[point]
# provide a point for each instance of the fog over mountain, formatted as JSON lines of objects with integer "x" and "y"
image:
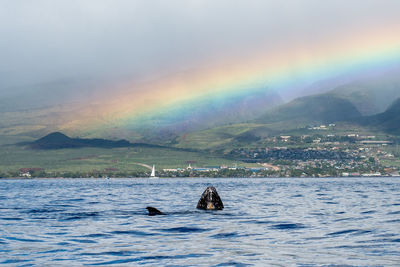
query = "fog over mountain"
{"x": 45, "y": 41}
{"x": 101, "y": 68}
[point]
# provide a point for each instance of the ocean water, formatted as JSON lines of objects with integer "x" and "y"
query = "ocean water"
{"x": 266, "y": 222}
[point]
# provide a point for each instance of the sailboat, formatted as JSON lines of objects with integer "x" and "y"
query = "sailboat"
{"x": 153, "y": 173}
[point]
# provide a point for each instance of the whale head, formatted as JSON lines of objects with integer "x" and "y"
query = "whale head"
{"x": 210, "y": 200}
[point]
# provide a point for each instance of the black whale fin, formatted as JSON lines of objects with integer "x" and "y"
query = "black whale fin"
{"x": 154, "y": 211}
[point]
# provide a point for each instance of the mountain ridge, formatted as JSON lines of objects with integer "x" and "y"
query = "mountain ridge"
{"x": 321, "y": 108}
{"x": 58, "y": 140}
{"x": 387, "y": 121}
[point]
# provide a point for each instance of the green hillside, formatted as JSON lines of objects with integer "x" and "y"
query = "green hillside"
{"x": 87, "y": 159}
{"x": 223, "y": 136}
{"x": 57, "y": 140}
{"x": 388, "y": 121}
{"x": 292, "y": 119}
{"x": 371, "y": 96}
{"x": 312, "y": 109}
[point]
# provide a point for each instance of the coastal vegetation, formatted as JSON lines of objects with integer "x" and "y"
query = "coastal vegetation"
{"x": 328, "y": 134}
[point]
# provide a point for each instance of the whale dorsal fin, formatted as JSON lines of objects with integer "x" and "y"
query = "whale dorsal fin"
{"x": 153, "y": 211}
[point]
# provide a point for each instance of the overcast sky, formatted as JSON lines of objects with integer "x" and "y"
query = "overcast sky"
{"x": 48, "y": 40}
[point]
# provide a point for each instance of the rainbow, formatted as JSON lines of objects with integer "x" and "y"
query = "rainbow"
{"x": 288, "y": 68}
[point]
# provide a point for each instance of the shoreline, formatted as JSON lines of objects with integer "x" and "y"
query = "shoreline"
{"x": 276, "y": 177}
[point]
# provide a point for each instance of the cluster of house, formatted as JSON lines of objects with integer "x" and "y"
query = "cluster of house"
{"x": 364, "y": 140}
{"x": 357, "y": 174}
{"x": 321, "y": 127}
{"x": 27, "y": 172}
{"x": 215, "y": 168}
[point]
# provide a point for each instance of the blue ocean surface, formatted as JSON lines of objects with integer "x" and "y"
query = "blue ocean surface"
{"x": 283, "y": 222}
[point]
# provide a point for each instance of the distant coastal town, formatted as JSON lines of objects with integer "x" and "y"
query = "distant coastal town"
{"x": 317, "y": 155}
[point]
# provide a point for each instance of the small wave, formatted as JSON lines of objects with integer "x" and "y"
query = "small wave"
{"x": 149, "y": 258}
{"x": 11, "y": 261}
{"x": 381, "y": 240}
{"x": 355, "y": 247}
{"x": 317, "y": 213}
{"x": 368, "y": 212}
{"x": 232, "y": 263}
{"x": 74, "y": 199}
{"x": 79, "y": 215}
{"x": 393, "y": 212}
{"x": 271, "y": 204}
{"x": 11, "y": 208}
{"x": 57, "y": 233}
{"x": 287, "y": 226}
{"x": 23, "y": 239}
{"x": 95, "y": 235}
{"x": 63, "y": 243}
{"x": 394, "y": 221}
{"x": 259, "y": 222}
{"x": 343, "y": 232}
{"x": 225, "y": 235}
{"x": 34, "y": 211}
{"x": 65, "y": 205}
{"x": 325, "y": 198}
{"x": 53, "y": 251}
{"x": 362, "y": 232}
{"x": 11, "y": 219}
{"x": 184, "y": 230}
{"x": 111, "y": 253}
{"x": 298, "y": 195}
{"x": 85, "y": 241}
{"x": 346, "y": 219}
{"x": 114, "y": 262}
{"x": 130, "y": 232}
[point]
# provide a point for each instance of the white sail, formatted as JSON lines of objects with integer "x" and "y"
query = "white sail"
{"x": 153, "y": 173}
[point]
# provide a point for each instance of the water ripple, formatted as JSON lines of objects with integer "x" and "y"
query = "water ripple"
{"x": 130, "y": 232}
{"x": 150, "y": 258}
{"x": 184, "y": 230}
{"x": 225, "y": 235}
{"x": 266, "y": 222}
{"x": 344, "y": 232}
{"x": 287, "y": 226}
{"x": 22, "y": 239}
{"x": 78, "y": 215}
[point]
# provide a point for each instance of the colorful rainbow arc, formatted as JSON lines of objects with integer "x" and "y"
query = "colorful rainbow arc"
{"x": 292, "y": 68}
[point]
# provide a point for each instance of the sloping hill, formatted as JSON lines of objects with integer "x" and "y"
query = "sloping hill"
{"x": 312, "y": 109}
{"x": 371, "y": 96}
{"x": 292, "y": 117}
{"x": 223, "y": 136}
{"x": 212, "y": 111}
{"x": 388, "y": 121}
{"x": 59, "y": 140}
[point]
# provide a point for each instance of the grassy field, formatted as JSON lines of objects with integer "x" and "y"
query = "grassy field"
{"x": 224, "y": 136}
{"x": 14, "y": 157}
{"x": 221, "y": 139}
{"x": 242, "y": 135}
